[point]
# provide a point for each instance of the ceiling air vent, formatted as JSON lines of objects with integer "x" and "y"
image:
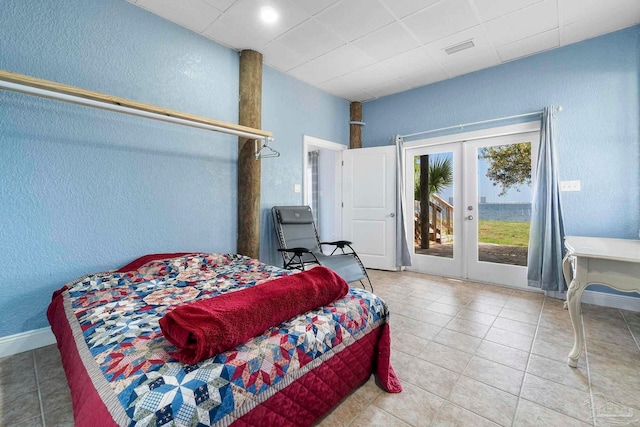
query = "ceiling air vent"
{"x": 458, "y": 47}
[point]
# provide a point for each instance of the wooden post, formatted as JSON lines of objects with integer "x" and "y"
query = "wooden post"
{"x": 355, "y": 137}
{"x": 250, "y": 114}
{"x": 424, "y": 202}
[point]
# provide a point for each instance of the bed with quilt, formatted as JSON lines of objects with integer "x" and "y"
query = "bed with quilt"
{"x": 123, "y": 364}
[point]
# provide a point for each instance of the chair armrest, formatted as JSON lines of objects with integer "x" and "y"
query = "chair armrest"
{"x": 339, "y": 243}
{"x": 296, "y": 251}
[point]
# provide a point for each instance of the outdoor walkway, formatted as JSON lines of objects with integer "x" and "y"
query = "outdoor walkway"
{"x": 488, "y": 252}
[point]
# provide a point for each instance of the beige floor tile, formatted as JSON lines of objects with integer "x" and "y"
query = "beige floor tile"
{"x": 555, "y": 351}
{"x": 408, "y": 343}
{"x": 559, "y": 372}
{"x": 345, "y": 412}
{"x": 15, "y": 408}
{"x": 484, "y": 400}
{"x": 418, "y": 328}
{"x": 567, "y": 400}
{"x": 467, "y": 327}
{"x": 494, "y": 374}
{"x": 425, "y": 375}
{"x": 510, "y": 339}
{"x": 520, "y": 316}
{"x": 437, "y": 319}
{"x": 20, "y": 362}
{"x": 446, "y": 357}
{"x": 459, "y": 300}
{"x": 374, "y": 416}
{"x": 458, "y": 340}
{"x": 524, "y": 304}
{"x": 482, "y": 307}
{"x": 531, "y": 414}
{"x": 515, "y": 326}
{"x": 617, "y": 381}
{"x": 59, "y": 417}
{"x": 503, "y": 354}
{"x": 609, "y": 412}
{"x": 55, "y": 393}
{"x": 476, "y": 316}
{"x": 18, "y": 381}
{"x": 415, "y": 406}
{"x": 454, "y": 416}
{"x": 449, "y": 310}
{"x": 369, "y": 391}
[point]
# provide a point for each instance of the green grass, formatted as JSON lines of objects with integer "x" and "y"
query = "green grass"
{"x": 504, "y": 233}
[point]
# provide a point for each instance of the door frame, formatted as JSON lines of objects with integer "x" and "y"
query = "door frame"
{"x": 520, "y": 128}
{"x": 310, "y": 143}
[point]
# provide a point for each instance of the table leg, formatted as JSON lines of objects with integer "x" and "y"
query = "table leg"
{"x": 574, "y": 295}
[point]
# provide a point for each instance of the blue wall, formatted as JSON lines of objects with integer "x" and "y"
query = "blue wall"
{"x": 597, "y": 133}
{"x": 86, "y": 190}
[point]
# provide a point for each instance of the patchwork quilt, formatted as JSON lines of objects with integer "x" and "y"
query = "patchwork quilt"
{"x": 121, "y": 373}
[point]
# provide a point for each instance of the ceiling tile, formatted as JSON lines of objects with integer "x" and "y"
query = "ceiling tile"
{"x": 402, "y": 8}
{"x": 476, "y": 34}
{"x": 532, "y": 20}
{"x": 220, "y": 4}
{"x": 538, "y": 43}
{"x": 280, "y": 57}
{"x": 424, "y": 76}
{"x": 601, "y": 24}
{"x": 577, "y": 10}
{"x": 463, "y": 65}
{"x": 353, "y": 19}
{"x": 388, "y": 87}
{"x": 311, "y": 39}
{"x": 441, "y": 20}
{"x": 386, "y": 42}
{"x": 345, "y": 88}
{"x": 491, "y": 9}
{"x": 193, "y": 14}
{"x": 315, "y": 6}
{"x": 237, "y": 35}
{"x": 248, "y": 12}
{"x": 341, "y": 61}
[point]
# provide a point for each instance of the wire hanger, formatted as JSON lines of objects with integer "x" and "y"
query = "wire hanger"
{"x": 265, "y": 151}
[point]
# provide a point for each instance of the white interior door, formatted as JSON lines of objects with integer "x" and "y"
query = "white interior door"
{"x": 369, "y": 204}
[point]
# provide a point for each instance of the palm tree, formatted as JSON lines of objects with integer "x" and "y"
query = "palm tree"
{"x": 439, "y": 175}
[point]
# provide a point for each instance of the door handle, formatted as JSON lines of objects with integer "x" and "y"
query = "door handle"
{"x": 392, "y": 215}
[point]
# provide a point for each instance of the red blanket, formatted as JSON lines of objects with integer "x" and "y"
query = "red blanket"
{"x": 207, "y": 327}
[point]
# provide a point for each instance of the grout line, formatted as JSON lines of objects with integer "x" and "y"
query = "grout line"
{"x": 526, "y": 368}
{"x": 629, "y": 328}
{"x": 35, "y": 368}
{"x": 586, "y": 360}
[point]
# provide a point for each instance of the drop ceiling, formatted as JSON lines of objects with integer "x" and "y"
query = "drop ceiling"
{"x": 365, "y": 49}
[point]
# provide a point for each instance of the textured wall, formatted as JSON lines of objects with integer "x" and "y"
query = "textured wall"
{"x": 597, "y": 133}
{"x": 86, "y": 190}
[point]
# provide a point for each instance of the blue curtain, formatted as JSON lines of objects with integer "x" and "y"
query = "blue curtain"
{"x": 403, "y": 256}
{"x": 546, "y": 239}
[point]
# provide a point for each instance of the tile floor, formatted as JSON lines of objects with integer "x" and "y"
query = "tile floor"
{"x": 467, "y": 354}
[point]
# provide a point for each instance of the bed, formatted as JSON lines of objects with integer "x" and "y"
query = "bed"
{"x": 120, "y": 371}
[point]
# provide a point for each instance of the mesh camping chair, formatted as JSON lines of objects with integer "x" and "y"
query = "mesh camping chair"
{"x": 300, "y": 245}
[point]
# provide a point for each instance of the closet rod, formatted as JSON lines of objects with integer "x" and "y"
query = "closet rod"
{"x": 52, "y": 90}
{"x": 535, "y": 113}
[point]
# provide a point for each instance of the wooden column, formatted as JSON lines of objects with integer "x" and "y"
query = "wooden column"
{"x": 424, "y": 202}
{"x": 250, "y": 114}
{"x": 355, "y": 138}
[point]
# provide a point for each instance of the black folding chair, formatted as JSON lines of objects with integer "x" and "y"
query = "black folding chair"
{"x": 300, "y": 245}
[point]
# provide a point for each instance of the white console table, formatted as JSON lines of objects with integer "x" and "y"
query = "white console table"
{"x": 594, "y": 260}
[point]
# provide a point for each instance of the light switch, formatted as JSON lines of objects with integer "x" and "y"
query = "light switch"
{"x": 297, "y": 188}
{"x": 569, "y": 185}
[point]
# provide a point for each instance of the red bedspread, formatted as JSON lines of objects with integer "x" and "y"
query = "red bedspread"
{"x": 120, "y": 371}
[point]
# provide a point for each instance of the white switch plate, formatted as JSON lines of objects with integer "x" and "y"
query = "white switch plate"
{"x": 297, "y": 188}
{"x": 569, "y": 185}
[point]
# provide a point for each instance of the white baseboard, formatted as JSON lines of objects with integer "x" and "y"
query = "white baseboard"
{"x": 25, "y": 341}
{"x": 624, "y": 302}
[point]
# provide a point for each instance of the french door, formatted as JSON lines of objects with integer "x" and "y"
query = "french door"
{"x": 471, "y": 205}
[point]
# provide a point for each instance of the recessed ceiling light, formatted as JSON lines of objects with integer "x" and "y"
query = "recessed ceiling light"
{"x": 268, "y": 14}
{"x": 458, "y": 47}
